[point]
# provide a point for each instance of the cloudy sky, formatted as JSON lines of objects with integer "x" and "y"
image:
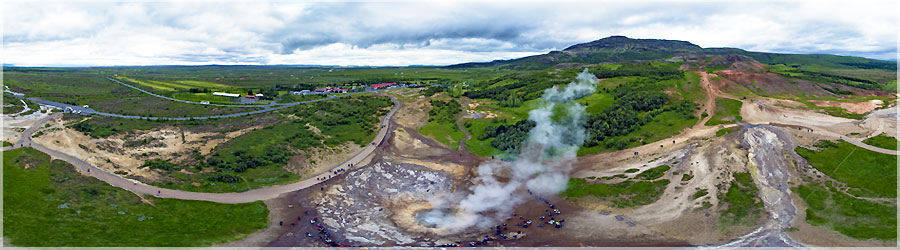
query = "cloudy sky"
{"x": 82, "y": 33}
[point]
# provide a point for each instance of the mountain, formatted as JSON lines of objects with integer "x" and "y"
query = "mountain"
{"x": 622, "y": 49}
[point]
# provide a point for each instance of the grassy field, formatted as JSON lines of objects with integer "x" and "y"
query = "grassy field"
{"x": 442, "y": 123}
{"x": 724, "y": 131}
{"x": 445, "y": 133}
{"x": 867, "y": 173}
{"x": 597, "y": 102}
{"x": 7, "y": 144}
{"x": 480, "y": 147}
{"x": 49, "y": 204}
{"x": 299, "y": 98}
{"x": 663, "y": 125}
{"x": 199, "y": 97}
{"x": 882, "y": 141}
{"x": 690, "y": 88}
{"x": 627, "y": 193}
{"x": 727, "y": 111}
{"x": 853, "y": 217}
{"x": 742, "y": 206}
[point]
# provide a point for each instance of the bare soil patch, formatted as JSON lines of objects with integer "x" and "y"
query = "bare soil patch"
{"x": 852, "y": 107}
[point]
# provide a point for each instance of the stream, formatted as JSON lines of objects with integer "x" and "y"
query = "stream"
{"x": 769, "y": 169}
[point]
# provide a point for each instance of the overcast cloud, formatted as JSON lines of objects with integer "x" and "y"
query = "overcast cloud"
{"x": 400, "y": 33}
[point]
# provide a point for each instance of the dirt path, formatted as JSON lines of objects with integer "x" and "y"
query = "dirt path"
{"x": 710, "y": 107}
{"x": 758, "y": 112}
{"x": 249, "y": 196}
{"x": 462, "y": 143}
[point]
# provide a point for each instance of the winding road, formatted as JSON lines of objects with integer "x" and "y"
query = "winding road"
{"x": 265, "y": 108}
{"x": 243, "y": 197}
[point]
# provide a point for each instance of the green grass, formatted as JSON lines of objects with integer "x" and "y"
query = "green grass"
{"x": 868, "y": 173}
{"x": 686, "y": 177}
{"x": 288, "y": 98}
{"x": 597, "y": 102}
{"x": 724, "y": 131}
{"x": 478, "y": 147}
{"x": 663, "y": 125}
{"x": 700, "y": 193}
{"x": 853, "y": 217}
{"x": 199, "y": 97}
{"x": 156, "y": 85}
{"x": 742, "y": 206}
{"x": 203, "y": 84}
{"x": 690, "y": 88}
{"x": 445, "y": 133}
{"x": 627, "y": 193}
{"x": 882, "y": 141}
{"x": 7, "y": 144}
{"x": 727, "y": 111}
{"x": 653, "y": 173}
{"x": 49, "y": 204}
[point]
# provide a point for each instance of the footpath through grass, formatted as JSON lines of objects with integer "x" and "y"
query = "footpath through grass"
{"x": 727, "y": 111}
{"x": 49, "y": 204}
{"x": 865, "y": 174}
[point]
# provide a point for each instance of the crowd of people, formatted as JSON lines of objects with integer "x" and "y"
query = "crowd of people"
{"x": 549, "y": 218}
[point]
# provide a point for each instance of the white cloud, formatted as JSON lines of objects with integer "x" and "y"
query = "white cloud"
{"x": 402, "y": 33}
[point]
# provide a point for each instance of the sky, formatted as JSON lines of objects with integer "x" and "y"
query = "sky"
{"x": 365, "y": 33}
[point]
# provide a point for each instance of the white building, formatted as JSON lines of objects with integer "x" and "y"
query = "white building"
{"x": 226, "y": 94}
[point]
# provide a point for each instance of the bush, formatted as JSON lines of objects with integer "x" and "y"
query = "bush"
{"x": 223, "y": 177}
{"x": 159, "y": 164}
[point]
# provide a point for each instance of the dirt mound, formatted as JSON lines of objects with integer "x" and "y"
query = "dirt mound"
{"x": 125, "y": 153}
{"x": 774, "y": 84}
{"x": 852, "y": 107}
{"x": 729, "y": 61}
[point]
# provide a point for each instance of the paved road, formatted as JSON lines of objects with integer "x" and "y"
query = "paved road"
{"x": 265, "y": 108}
{"x": 243, "y": 197}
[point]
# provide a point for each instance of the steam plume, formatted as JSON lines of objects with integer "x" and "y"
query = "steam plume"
{"x": 542, "y": 167}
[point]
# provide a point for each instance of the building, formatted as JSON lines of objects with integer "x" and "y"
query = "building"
{"x": 339, "y": 90}
{"x": 383, "y": 85}
{"x": 226, "y": 94}
{"x": 302, "y": 92}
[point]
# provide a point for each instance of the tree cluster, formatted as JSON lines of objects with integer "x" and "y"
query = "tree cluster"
{"x": 443, "y": 112}
{"x": 508, "y": 137}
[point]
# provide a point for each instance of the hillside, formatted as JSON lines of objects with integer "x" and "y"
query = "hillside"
{"x": 621, "y": 49}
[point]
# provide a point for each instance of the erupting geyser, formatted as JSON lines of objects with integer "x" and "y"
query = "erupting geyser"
{"x": 542, "y": 166}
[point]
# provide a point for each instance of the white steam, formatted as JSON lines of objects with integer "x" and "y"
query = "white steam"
{"x": 542, "y": 167}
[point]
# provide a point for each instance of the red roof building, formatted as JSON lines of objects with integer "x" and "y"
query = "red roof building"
{"x": 383, "y": 85}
